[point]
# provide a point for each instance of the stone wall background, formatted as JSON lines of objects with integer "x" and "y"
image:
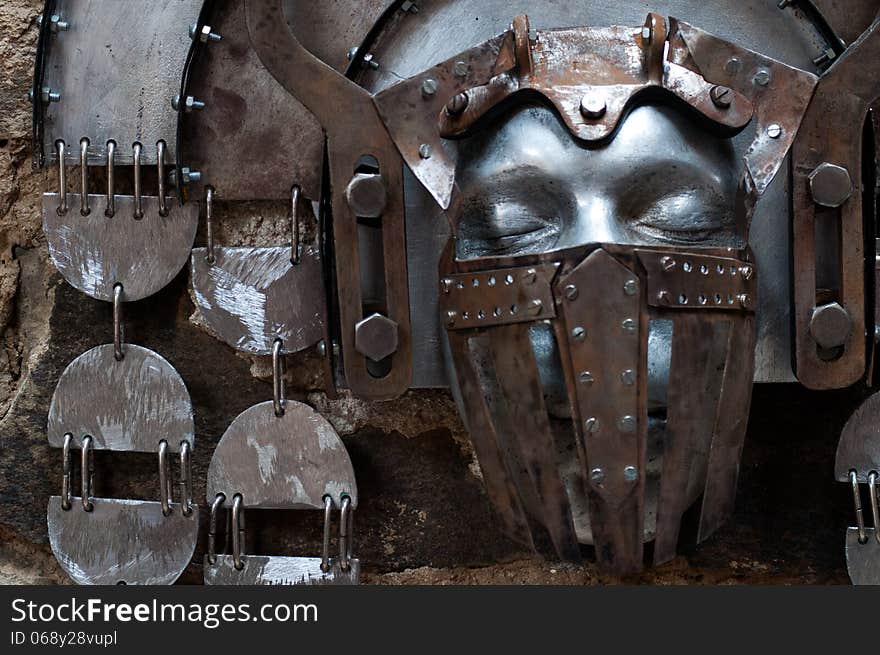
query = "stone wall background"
{"x": 424, "y": 517}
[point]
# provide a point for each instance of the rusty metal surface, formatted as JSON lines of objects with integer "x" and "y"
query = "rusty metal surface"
{"x": 351, "y": 134}
{"x": 848, "y": 18}
{"x": 832, "y": 133}
{"x": 94, "y": 252}
{"x": 607, "y": 336}
{"x": 250, "y": 297}
{"x": 283, "y": 462}
{"x": 694, "y": 281}
{"x": 128, "y": 405}
{"x": 275, "y": 570}
{"x": 122, "y": 541}
{"x": 863, "y": 560}
{"x": 117, "y": 69}
{"x": 859, "y": 445}
{"x": 253, "y": 140}
{"x": 501, "y": 297}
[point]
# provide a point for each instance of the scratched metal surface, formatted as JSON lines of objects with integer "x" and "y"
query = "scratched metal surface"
{"x": 94, "y": 252}
{"x": 122, "y": 541}
{"x": 859, "y": 445}
{"x": 270, "y": 570}
{"x": 251, "y": 296}
{"x": 129, "y": 405}
{"x": 117, "y": 69}
{"x": 281, "y": 462}
{"x": 863, "y": 560}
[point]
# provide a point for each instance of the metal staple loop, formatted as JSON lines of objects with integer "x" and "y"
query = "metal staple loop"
{"x": 875, "y": 503}
{"x": 857, "y": 501}
{"x": 118, "y": 336}
{"x": 86, "y": 473}
{"x": 345, "y": 525}
{"x": 237, "y": 531}
{"x": 209, "y": 222}
{"x": 61, "y": 149}
{"x": 111, "y": 179}
{"x": 84, "y": 208}
{"x": 296, "y": 252}
{"x": 219, "y": 500}
{"x": 160, "y": 169}
{"x": 138, "y": 191}
{"x": 66, "y": 482}
{"x": 325, "y": 552}
{"x": 278, "y": 377}
{"x": 186, "y": 495}
{"x": 165, "y": 479}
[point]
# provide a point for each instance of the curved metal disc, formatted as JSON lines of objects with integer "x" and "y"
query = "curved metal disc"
{"x": 94, "y": 252}
{"x": 128, "y": 405}
{"x": 282, "y": 462}
{"x": 252, "y": 296}
{"x": 122, "y": 541}
{"x": 862, "y": 560}
{"x": 859, "y": 446}
{"x": 265, "y": 570}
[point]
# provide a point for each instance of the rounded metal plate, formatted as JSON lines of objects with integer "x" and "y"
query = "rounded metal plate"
{"x": 122, "y": 541}
{"x": 859, "y": 445}
{"x": 128, "y": 405}
{"x": 862, "y": 560}
{"x": 252, "y": 296}
{"x": 282, "y": 462}
{"x": 94, "y": 252}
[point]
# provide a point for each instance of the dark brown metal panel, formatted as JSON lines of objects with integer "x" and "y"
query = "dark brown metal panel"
{"x": 607, "y": 334}
{"x": 699, "y": 350}
{"x": 499, "y": 484}
{"x": 730, "y": 428}
{"x": 832, "y": 134}
{"x": 519, "y": 379}
{"x": 249, "y": 120}
{"x": 848, "y": 18}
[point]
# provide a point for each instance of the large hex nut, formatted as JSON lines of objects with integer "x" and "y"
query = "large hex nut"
{"x": 375, "y": 337}
{"x": 831, "y": 185}
{"x": 831, "y": 325}
{"x": 366, "y": 195}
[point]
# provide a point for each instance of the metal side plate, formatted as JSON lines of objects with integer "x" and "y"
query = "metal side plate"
{"x": 863, "y": 560}
{"x": 265, "y": 570}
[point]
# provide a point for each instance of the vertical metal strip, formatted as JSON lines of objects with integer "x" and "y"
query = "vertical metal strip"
{"x": 729, "y": 434}
{"x": 699, "y": 352}
{"x": 518, "y": 377}
{"x": 496, "y": 477}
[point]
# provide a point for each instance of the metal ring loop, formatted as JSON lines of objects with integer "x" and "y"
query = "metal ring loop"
{"x": 86, "y": 473}
{"x": 84, "y": 208}
{"x": 237, "y": 531}
{"x": 186, "y": 495}
{"x": 67, "y": 468}
{"x": 278, "y": 377}
{"x": 160, "y": 170}
{"x": 118, "y": 334}
{"x": 296, "y": 251}
{"x": 857, "y": 501}
{"x": 138, "y": 191}
{"x": 209, "y": 222}
{"x": 325, "y": 552}
{"x": 61, "y": 150}
{"x": 875, "y": 503}
{"x": 219, "y": 499}
{"x": 165, "y": 496}
{"x": 345, "y": 535}
{"x": 111, "y": 180}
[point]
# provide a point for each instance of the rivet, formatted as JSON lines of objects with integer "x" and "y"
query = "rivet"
{"x": 627, "y": 424}
{"x": 460, "y": 69}
{"x": 429, "y": 88}
{"x": 762, "y": 77}
{"x": 592, "y": 425}
{"x": 530, "y": 276}
{"x": 733, "y": 65}
{"x": 579, "y": 334}
{"x": 663, "y": 298}
{"x": 593, "y": 107}
{"x": 668, "y": 263}
{"x": 745, "y": 300}
{"x": 746, "y": 272}
{"x": 597, "y": 475}
{"x": 629, "y": 326}
{"x": 451, "y": 318}
{"x": 447, "y": 285}
{"x": 774, "y": 131}
{"x": 586, "y": 377}
{"x": 630, "y": 474}
{"x": 628, "y": 377}
{"x": 535, "y": 307}
{"x": 630, "y": 287}
{"x": 571, "y": 292}
{"x": 425, "y": 151}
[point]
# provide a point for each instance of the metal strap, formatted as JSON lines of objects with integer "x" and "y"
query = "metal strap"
{"x": 296, "y": 250}
{"x": 118, "y": 336}
{"x": 237, "y": 531}
{"x": 61, "y": 149}
{"x": 111, "y": 180}
{"x": 278, "y": 377}
{"x": 209, "y": 223}
{"x": 138, "y": 189}
{"x": 66, "y": 482}
{"x": 86, "y": 473}
{"x": 857, "y": 502}
{"x": 160, "y": 170}
{"x": 84, "y": 208}
{"x": 325, "y": 552}
{"x": 345, "y": 521}
{"x": 165, "y": 496}
{"x": 219, "y": 499}
{"x": 186, "y": 493}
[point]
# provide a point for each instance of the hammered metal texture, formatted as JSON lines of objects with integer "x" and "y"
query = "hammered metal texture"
{"x": 282, "y": 462}
{"x": 129, "y": 405}
{"x": 122, "y": 541}
{"x": 117, "y": 69}
{"x": 250, "y": 297}
{"x": 273, "y": 570}
{"x": 94, "y": 252}
{"x": 862, "y": 560}
{"x": 859, "y": 446}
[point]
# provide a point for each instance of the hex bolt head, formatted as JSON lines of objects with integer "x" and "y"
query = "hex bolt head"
{"x": 458, "y": 104}
{"x": 627, "y": 424}
{"x": 375, "y": 337}
{"x": 630, "y": 473}
{"x": 429, "y": 88}
{"x": 597, "y": 476}
{"x": 831, "y": 325}
{"x": 722, "y": 97}
{"x": 185, "y": 177}
{"x": 366, "y": 195}
{"x": 204, "y": 35}
{"x": 593, "y": 107}
{"x": 831, "y": 185}
{"x": 189, "y": 104}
